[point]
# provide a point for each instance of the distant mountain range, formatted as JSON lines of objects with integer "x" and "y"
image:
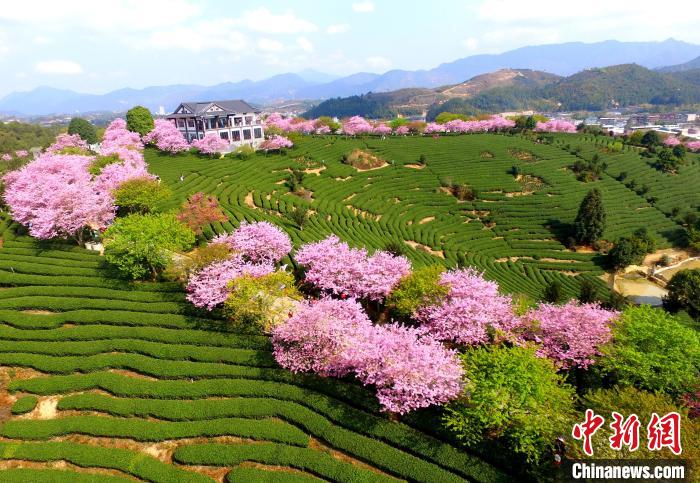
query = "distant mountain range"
{"x": 558, "y": 59}
{"x": 520, "y": 89}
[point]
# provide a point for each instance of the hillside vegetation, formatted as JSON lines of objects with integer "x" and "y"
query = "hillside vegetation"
{"x": 513, "y": 229}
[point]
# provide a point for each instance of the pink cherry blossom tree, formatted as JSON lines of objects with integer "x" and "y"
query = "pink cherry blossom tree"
{"x": 208, "y": 288}
{"x": 333, "y": 266}
{"x": 672, "y": 141}
{"x": 166, "y": 137}
{"x": 64, "y": 141}
{"x": 556, "y": 125}
{"x": 21, "y": 153}
{"x": 472, "y": 310}
{"x": 54, "y": 196}
{"x": 356, "y": 125}
{"x": 693, "y": 146}
{"x": 381, "y": 128}
{"x": 276, "y": 143}
{"x": 570, "y": 334}
{"x": 260, "y": 242}
{"x": 6, "y": 157}
{"x": 401, "y": 130}
{"x": 211, "y": 144}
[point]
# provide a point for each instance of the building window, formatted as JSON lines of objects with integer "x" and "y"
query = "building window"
{"x": 180, "y": 123}
{"x": 190, "y": 123}
{"x": 257, "y": 132}
{"x": 235, "y": 136}
{"x": 246, "y": 134}
{"x": 248, "y": 120}
{"x": 224, "y": 135}
{"x": 221, "y": 122}
{"x": 237, "y": 121}
{"x": 201, "y": 135}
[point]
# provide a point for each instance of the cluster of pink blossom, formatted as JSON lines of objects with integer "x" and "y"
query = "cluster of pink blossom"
{"x": 333, "y": 266}
{"x": 64, "y": 141}
{"x": 335, "y": 337}
{"x": 402, "y": 130}
{"x": 126, "y": 145}
{"x": 6, "y": 157}
{"x": 260, "y": 242}
{"x": 296, "y": 124}
{"x": 209, "y": 286}
{"x": 166, "y": 137}
{"x": 54, "y": 196}
{"x": 472, "y": 309}
{"x": 276, "y": 143}
{"x": 555, "y": 125}
{"x": 693, "y": 145}
{"x": 381, "y": 128}
{"x": 570, "y": 334}
{"x": 672, "y": 141}
{"x": 357, "y": 125}
{"x": 22, "y": 153}
{"x": 211, "y": 144}
{"x": 494, "y": 123}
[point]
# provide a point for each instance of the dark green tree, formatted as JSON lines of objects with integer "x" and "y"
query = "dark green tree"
{"x": 140, "y": 120}
{"x": 684, "y": 292}
{"x": 525, "y": 123}
{"x": 588, "y": 292}
{"x": 631, "y": 250}
{"x": 651, "y": 138}
{"x": 590, "y": 220}
{"x": 84, "y": 129}
{"x": 553, "y": 292}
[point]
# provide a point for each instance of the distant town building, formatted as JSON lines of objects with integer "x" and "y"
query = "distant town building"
{"x": 235, "y": 121}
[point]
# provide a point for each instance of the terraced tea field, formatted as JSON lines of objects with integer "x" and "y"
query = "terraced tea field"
{"x": 104, "y": 381}
{"x": 512, "y": 230}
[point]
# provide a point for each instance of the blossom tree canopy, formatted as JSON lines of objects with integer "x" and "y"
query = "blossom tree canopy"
{"x": 381, "y": 128}
{"x": 64, "y": 141}
{"x": 6, "y": 157}
{"x": 118, "y": 136}
{"x": 54, "y": 196}
{"x": 166, "y": 137}
{"x": 317, "y": 338}
{"x": 672, "y": 141}
{"x": 335, "y": 337}
{"x": 555, "y": 125}
{"x": 22, "y": 153}
{"x": 693, "y": 145}
{"x": 127, "y": 146}
{"x": 275, "y": 143}
{"x": 472, "y": 307}
{"x": 409, "y": 368}
{"x": 211, "y": 144}
{"x": 570, "y": 334}
{"x": 356, "y": 125}
{"x": 260, "y": 242}
{"x": 208, "y": 287}
{"x": 333, "y": 266}
{"x": 402, "y": 130}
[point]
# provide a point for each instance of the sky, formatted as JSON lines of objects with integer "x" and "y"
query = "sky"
{"x": 97, "y": 46}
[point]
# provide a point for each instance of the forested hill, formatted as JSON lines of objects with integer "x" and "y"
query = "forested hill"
{"x": 18, "y": 135}
{"x": 590, "y": 89}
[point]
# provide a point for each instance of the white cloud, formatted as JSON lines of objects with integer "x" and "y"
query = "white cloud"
{"x": 471, "y": 43}
{"x": 305, "y": 44}
{"x": 363, "y": 7}
{"x": 377, "y": 62}
{"x": 269, "y": 45}
{"x": 42, "y": 40}
{"x": 337, "y": 29}
{"x": 211, "y": 35}
{"x": 262, "y": 20}
{"x": 67, "y": 67}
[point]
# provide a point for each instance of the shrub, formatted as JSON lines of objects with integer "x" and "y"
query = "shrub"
{"x": 141, "y": 245}
{"x": 200, "y": 210}
{"x": 553, "y": 292}
{"x": 684, "y": 292}
{"x": 652, "y": 350}
{"x": 258, "y": 304}
{"x": 299, "y": 215}
{"x": 534, "y": 406}
{"x": 418, "y": 289}
{"x": 84, "y": 129}
{"x": 140, "y": 195}
{"x": 244, "y": 151}
{"x": 590, "y": 220}
{"x": 24, "y": 405}
{"x": 588, "y": 292}
{"x": 139, "y": 120}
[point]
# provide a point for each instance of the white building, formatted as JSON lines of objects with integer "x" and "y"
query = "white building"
{"x": 235, "y": 121}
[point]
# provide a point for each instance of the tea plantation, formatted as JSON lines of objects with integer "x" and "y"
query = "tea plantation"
{"x": 105, "y": 380}
{"x": 102, "y": 380}
{"x": 513, "y": 230}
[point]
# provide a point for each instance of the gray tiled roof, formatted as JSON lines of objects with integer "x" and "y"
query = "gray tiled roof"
{"x": 236, "y": 106}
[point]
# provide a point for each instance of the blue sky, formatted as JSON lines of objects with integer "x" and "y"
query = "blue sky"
{"x": 97, "y": 46}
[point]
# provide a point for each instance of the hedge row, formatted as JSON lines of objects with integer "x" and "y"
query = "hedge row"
{"x": 28, "y": 475}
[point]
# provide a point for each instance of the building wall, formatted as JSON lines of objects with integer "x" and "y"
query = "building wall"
{"x": 236, "y": 134}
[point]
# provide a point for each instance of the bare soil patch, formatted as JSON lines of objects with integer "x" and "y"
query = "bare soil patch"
{"x": 414, "y": 166}
{"x": 425, "y": 248}
{"x": 365, "y": 161}
{"x": 249, "y": 201}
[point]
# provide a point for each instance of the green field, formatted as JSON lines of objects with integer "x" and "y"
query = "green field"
{"x": 120, "y": 381}
{"x": 512, "y": 231}
{"x": 104, "y": 380}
